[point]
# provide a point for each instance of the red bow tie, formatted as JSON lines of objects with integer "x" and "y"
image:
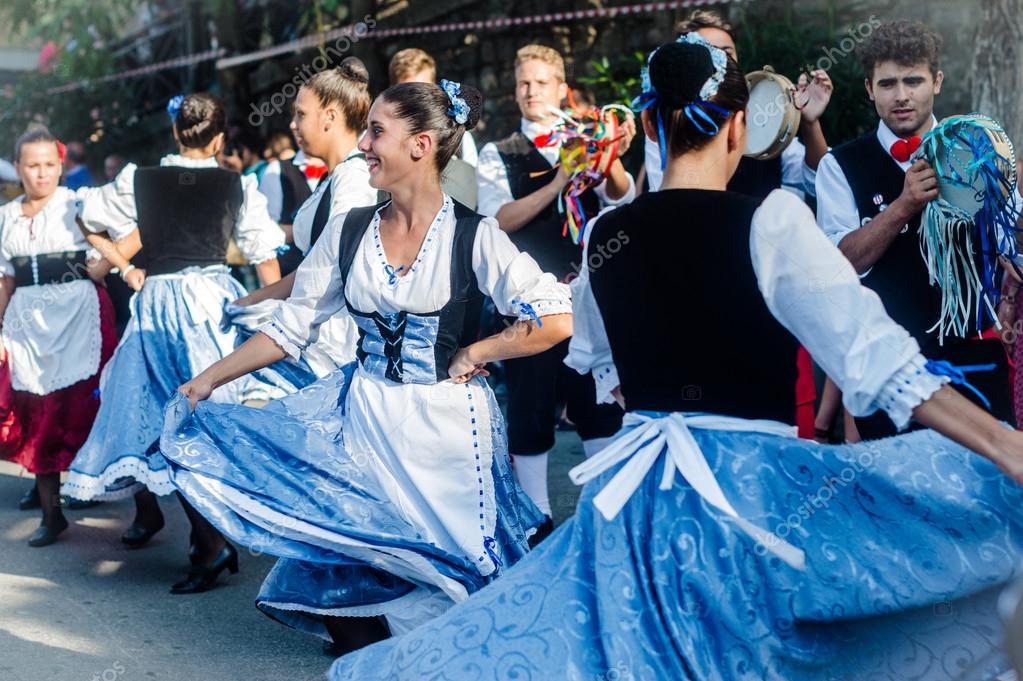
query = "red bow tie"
{"x": 901, "y": 150}
{"x": 315, "y": 172}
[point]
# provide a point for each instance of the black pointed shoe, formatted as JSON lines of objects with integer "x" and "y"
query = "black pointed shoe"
{"x": 29, "y": 500}
{"x": 201, "y": 577}
{"x": 46, "y": 535}
{"x": 543, "y": 531}
{"x": 138, "y": 534}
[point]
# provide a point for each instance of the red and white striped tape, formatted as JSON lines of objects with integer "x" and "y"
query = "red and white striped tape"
{"x": 311, "y": 41}
{"x": 177, "y": 62}
{"x": 479, "y": 25}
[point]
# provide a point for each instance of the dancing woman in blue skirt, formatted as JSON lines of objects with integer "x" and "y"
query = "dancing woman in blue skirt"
{"x": 386, "y": 485}
{"x": 181, "y": 215}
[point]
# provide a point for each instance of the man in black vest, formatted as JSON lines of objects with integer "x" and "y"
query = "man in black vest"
{"x": 519, "y": 184}
{"x": 870, "y": 198}
{"x": 794, "y": 168}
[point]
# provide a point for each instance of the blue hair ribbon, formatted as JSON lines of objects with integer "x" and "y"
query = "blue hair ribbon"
{"x": 174, "y": 106}
{"x": 459, "y": 109}
{"x": 705, "y": 124}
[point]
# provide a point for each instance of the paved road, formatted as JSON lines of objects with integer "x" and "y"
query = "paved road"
{"x": 90, "y": 609}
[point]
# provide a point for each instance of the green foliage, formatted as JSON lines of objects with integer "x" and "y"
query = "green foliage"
{"x": 83, "y": 31}
{"x": 796, "y": 42}
{"x": 617, "y": 82}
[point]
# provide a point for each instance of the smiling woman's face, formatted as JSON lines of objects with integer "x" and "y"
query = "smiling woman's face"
{"x": 392, "y": 153}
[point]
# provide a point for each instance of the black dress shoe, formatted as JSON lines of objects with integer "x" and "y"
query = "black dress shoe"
{"x": 201, "y": 577}
{"x": 46, "y": 534}
{"x": 30, "y": 500}
{"x": 542, "y": 532}
{"x": 139, "y": 534}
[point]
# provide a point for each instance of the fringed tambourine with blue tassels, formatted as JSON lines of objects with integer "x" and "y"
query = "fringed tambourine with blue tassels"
{"x": 972, "y": 222}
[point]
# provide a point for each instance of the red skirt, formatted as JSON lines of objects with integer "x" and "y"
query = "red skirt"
{"x": 44, "y": 432}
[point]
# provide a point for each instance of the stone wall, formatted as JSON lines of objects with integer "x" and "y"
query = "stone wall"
{"x": 485, "y": 59}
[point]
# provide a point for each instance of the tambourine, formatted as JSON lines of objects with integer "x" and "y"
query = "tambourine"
{"x": 972, "y": 223}
{"x": 772, "y": 117}
{"x": 959, "y": 146}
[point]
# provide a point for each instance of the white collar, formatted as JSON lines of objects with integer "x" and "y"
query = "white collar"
{"x": 532, "y": 129}
{"x": 887, "y": 138}
{"x": 62, "y": 195}
{"x": 184, "y": 162}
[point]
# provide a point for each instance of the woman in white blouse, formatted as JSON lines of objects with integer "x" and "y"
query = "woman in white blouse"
{"x": 182, "y": 215}
{"x": 58, "y": 326}
{"x": 386, "y": 485}
{"x": 329, "y": 115}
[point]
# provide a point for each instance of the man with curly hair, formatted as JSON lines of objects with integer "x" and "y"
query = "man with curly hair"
{"x": 870, "y": 196}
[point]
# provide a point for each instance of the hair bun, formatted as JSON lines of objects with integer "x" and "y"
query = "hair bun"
{"x": 200, "y": 118}
{"x": 678, "y": 72}
{"x": 353, "y": 68}
{"x": 474, "y": 99}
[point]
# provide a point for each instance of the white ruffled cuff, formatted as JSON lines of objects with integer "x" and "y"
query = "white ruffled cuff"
{"x": 543, "y": 308}
{"x": 547, "y": 298}
{"x": 605, "y": 377}
{"x": 276, "y": 333}
{"x": 908, "y": 388}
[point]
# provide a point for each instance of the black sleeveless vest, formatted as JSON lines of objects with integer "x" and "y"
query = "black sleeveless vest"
{"x": 688, "y": 327}
{"x": 294, "y": 190}
{"x": 757, "y": 178}
{"x": 185, "y": 216}
{"x": 459, "y": 319}
{"x": 900, "y": 276}
{"x": 542, "y": 236}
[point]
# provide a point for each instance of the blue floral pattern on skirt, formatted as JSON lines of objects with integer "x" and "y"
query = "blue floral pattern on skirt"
{"x": 280, "y": 481}
{"x": 907, "y": 543}
{"x": 168, "y": 341}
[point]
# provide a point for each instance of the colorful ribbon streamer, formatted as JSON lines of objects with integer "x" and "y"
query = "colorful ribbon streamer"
{"x": 589, "y": 147}
{"x": 962, "y": 250}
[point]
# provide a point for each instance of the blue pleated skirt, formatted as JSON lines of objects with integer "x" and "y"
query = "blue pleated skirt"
{"x": 177, "y": 330}
{"x": 354, "y": 536}
{"x": 907, "y": 544}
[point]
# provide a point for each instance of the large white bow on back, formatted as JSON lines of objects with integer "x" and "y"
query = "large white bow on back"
{"x": 642, "y": 446}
